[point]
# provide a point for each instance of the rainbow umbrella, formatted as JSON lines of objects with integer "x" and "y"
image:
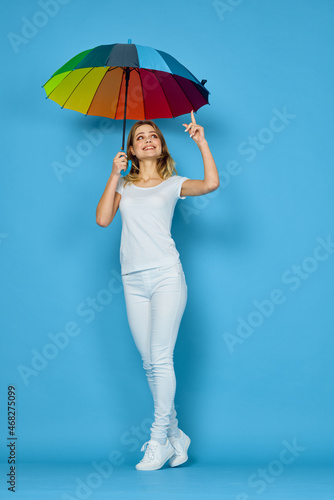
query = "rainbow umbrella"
{"x": 126, "y": 81}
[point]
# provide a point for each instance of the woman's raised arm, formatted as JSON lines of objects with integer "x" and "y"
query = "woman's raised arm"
{"x": 197, "y": 187}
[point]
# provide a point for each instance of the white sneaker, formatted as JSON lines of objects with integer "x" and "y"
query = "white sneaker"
{"x": 180, "y": 445}
{"x": 156, "y": 455}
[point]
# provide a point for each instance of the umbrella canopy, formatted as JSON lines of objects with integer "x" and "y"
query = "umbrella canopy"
{"x": 126, "y": 81}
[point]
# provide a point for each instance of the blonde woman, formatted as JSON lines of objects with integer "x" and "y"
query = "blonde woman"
{"x": 155, "y": 288}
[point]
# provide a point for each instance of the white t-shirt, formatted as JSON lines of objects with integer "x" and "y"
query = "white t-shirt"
{"x": 147, "y": 213}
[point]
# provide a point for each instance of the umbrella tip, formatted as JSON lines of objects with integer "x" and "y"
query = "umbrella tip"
{"x": 203, "y": 82}
{"x": 129, "y": 40}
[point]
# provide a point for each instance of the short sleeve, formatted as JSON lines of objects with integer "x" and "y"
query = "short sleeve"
{"x": 180, "y": 181}
{"x": 120, "y": 185}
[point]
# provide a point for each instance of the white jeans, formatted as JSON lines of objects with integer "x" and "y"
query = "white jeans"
{"x": 155, "y": 301}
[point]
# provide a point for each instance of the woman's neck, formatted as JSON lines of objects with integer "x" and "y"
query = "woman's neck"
{"x": 148, "y": 170}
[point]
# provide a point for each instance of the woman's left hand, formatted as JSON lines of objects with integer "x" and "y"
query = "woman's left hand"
{"x": 195, "y": 130}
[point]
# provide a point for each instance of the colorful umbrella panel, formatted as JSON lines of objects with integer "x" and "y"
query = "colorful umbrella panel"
{"x": 94, "y": 83}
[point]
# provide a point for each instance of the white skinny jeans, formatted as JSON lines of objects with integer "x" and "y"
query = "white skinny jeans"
{"x": 155, "y": 301}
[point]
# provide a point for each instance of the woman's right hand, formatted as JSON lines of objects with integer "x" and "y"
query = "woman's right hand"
{"x": 120, "y": 162}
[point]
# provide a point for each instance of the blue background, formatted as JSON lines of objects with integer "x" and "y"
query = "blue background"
{"x": 239, "y": 400}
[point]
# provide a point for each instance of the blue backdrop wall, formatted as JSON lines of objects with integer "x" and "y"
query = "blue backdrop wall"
{"x": 253, "y": 358}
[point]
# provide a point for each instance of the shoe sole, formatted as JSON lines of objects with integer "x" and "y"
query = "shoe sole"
{"x": 159, "y": 465}
{"x": 183, "y": 459}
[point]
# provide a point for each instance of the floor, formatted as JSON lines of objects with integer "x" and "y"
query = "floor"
{"x": 192, "y": 480}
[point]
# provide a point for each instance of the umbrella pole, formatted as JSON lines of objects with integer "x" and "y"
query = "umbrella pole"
{"x": 127, "y": 77}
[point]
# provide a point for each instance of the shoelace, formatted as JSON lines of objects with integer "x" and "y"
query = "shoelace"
{"x": 150, "y": 449}
{"x": 176, "y": 445}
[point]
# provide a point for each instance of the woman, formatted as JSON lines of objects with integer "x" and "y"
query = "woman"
{"x": 154, "y": 283}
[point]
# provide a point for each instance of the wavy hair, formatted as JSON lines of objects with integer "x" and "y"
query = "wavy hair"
{"x": 165, "y": 163}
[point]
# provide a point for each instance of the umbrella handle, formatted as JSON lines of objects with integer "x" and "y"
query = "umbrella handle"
{"x": 128, "y": 167}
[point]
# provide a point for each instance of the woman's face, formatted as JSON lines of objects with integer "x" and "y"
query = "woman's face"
{"x": 146, "y": 143}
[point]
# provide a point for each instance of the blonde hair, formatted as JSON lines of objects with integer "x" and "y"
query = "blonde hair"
{"x": 165, "y": 163}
